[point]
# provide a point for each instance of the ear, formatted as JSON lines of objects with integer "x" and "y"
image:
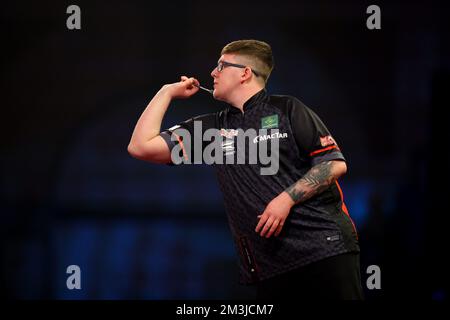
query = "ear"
{"x": 246, "y": 74}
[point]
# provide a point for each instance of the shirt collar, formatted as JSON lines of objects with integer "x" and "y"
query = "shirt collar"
{"x": 254, "y": 100}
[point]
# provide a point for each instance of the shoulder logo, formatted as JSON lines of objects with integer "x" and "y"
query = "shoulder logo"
{"x": 327, "y": 141}
{"x": 269, "y": 122}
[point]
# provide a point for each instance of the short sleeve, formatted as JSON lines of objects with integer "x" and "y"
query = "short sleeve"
{"x": 312, "y": 136}
{"x": 188, "y": 135}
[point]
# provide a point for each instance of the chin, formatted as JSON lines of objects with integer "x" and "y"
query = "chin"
{"x": 216, "y": 95}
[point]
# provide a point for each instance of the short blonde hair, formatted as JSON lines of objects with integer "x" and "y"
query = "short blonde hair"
{"x": 258, "y": 52}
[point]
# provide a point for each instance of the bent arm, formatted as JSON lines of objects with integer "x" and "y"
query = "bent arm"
{"x": 316, "y": 180}
{"x": 146, "y": 143}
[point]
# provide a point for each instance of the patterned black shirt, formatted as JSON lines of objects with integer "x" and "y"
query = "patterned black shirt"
{"x": 315, "y": 229}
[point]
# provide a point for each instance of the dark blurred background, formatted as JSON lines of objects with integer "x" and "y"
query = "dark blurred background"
{"x": 71, "y": 194}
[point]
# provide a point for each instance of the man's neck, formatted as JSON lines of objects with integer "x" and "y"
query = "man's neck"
{"x": 242, "y": 97}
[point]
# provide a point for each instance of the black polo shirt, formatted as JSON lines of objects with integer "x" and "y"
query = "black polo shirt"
{"x": 315, "y": 229}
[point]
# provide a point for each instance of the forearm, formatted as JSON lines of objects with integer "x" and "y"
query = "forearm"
{"x": 316, "y": 180}
{"x": 149, "y": 123}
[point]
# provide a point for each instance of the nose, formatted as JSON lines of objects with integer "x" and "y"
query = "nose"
{"x": 214, "y": 73}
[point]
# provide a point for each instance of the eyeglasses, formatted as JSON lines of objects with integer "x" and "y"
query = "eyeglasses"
{"x": 223, "y": 64}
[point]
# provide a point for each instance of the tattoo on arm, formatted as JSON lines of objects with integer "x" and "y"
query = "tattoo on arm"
{"x": 315, "y": 181}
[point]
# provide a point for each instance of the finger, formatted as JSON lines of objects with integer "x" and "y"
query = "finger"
{"x": 193, "y": 82}
{"x": 267, "y": 226}
{"x": 196, "y": 83}
{"x": 280, "y": 226}
{"x": 190, "y": 84}
{"x": 273, "y": 228}
{"x": 261, "y": 222}
{"x": 184, "y": 78}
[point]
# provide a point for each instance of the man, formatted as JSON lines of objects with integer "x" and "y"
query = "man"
{"x": 291, "y": 227}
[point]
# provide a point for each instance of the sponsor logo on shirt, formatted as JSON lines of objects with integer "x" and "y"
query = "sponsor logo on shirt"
{"x": 269, "y": 122}
{"x": 228, "y": 133}
{"x": 264, "y": 137}
{"x": 228, "y": 147}
{"x": 327, "y": 141}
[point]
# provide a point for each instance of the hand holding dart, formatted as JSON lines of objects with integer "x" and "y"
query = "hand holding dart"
{"x": 203, "y": 88}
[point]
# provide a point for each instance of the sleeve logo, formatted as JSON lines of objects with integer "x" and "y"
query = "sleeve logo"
{"x": 327, "y": 141}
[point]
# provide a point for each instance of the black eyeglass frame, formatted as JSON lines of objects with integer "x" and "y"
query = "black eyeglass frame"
{"x": 223, "y": 64}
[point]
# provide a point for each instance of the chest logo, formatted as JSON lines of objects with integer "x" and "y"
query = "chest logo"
{"x": 269, "y": 122}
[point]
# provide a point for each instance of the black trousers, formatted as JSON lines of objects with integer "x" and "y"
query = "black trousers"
{"x": 334, "y": 278}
